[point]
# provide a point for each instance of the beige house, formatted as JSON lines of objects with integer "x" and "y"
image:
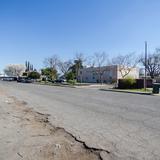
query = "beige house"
{"x": 106, "y": 74}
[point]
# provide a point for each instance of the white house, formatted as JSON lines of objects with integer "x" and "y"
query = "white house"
{"x": 105, "y": 74}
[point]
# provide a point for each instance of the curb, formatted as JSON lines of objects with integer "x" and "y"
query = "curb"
{"x": 121, "y": 91}
{"x": 52, "y": 85}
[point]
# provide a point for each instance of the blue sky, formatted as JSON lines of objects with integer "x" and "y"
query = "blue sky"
{"x": 35, "y": 29}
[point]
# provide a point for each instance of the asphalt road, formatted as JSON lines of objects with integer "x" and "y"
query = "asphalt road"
{"x": 126, "y": 125}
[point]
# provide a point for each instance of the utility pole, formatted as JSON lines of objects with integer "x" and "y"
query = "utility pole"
{"x": 145, "y": 78}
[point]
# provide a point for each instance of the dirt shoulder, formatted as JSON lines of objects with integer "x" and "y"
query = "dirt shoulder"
{"x": 27, "y": 134}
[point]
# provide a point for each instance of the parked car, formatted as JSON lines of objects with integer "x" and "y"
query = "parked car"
{"x": 59, "y": 81}
{"x": 24, "y": 80}
{"x": 8, "y": 79}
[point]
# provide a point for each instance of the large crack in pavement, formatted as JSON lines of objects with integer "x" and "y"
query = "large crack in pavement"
{"x": 40, "y": 139}
{"x": 94, "y": 150}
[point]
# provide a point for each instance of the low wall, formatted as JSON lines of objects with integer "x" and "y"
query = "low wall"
{"x": 139, "y": 83}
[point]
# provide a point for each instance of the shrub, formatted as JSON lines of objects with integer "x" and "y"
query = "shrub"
{"x": 127, "y": 83}
{"x": 73, "y": 82}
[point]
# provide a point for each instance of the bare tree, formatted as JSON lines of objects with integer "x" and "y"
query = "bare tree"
{"x": 65, "y": 66}
{"x": 90, "y": 62}
{"x": 100, "y": 60}
{"x": 52, "y": 62}
{"x": 80, "y": 56}
{"x": 14, "y": 69}
{"x": 125, "y": 63}
{"x": 152, "y": 64}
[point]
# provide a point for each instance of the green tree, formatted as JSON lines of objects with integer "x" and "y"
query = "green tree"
{"x": 78, "y": 64}
{"x": 34, "y": 75}
{"x": 29, "y": 66}
{"x": 50, "y": 73}
{"x": 70, "y": 76}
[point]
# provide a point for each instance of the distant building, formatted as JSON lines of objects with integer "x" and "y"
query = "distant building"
{"x": 105, "y": 74}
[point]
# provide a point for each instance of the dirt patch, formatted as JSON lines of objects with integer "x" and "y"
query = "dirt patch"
{"x": 29, "y": 135}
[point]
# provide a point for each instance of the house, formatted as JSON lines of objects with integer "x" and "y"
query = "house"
{"x": 105, "y": 74}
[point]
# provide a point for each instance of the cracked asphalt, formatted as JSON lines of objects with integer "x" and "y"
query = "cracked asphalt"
{"x": 28, "y": 135}
{"x": 126, "y": 125}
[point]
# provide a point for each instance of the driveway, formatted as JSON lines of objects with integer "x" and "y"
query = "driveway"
{"x": 126, "y": 126}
